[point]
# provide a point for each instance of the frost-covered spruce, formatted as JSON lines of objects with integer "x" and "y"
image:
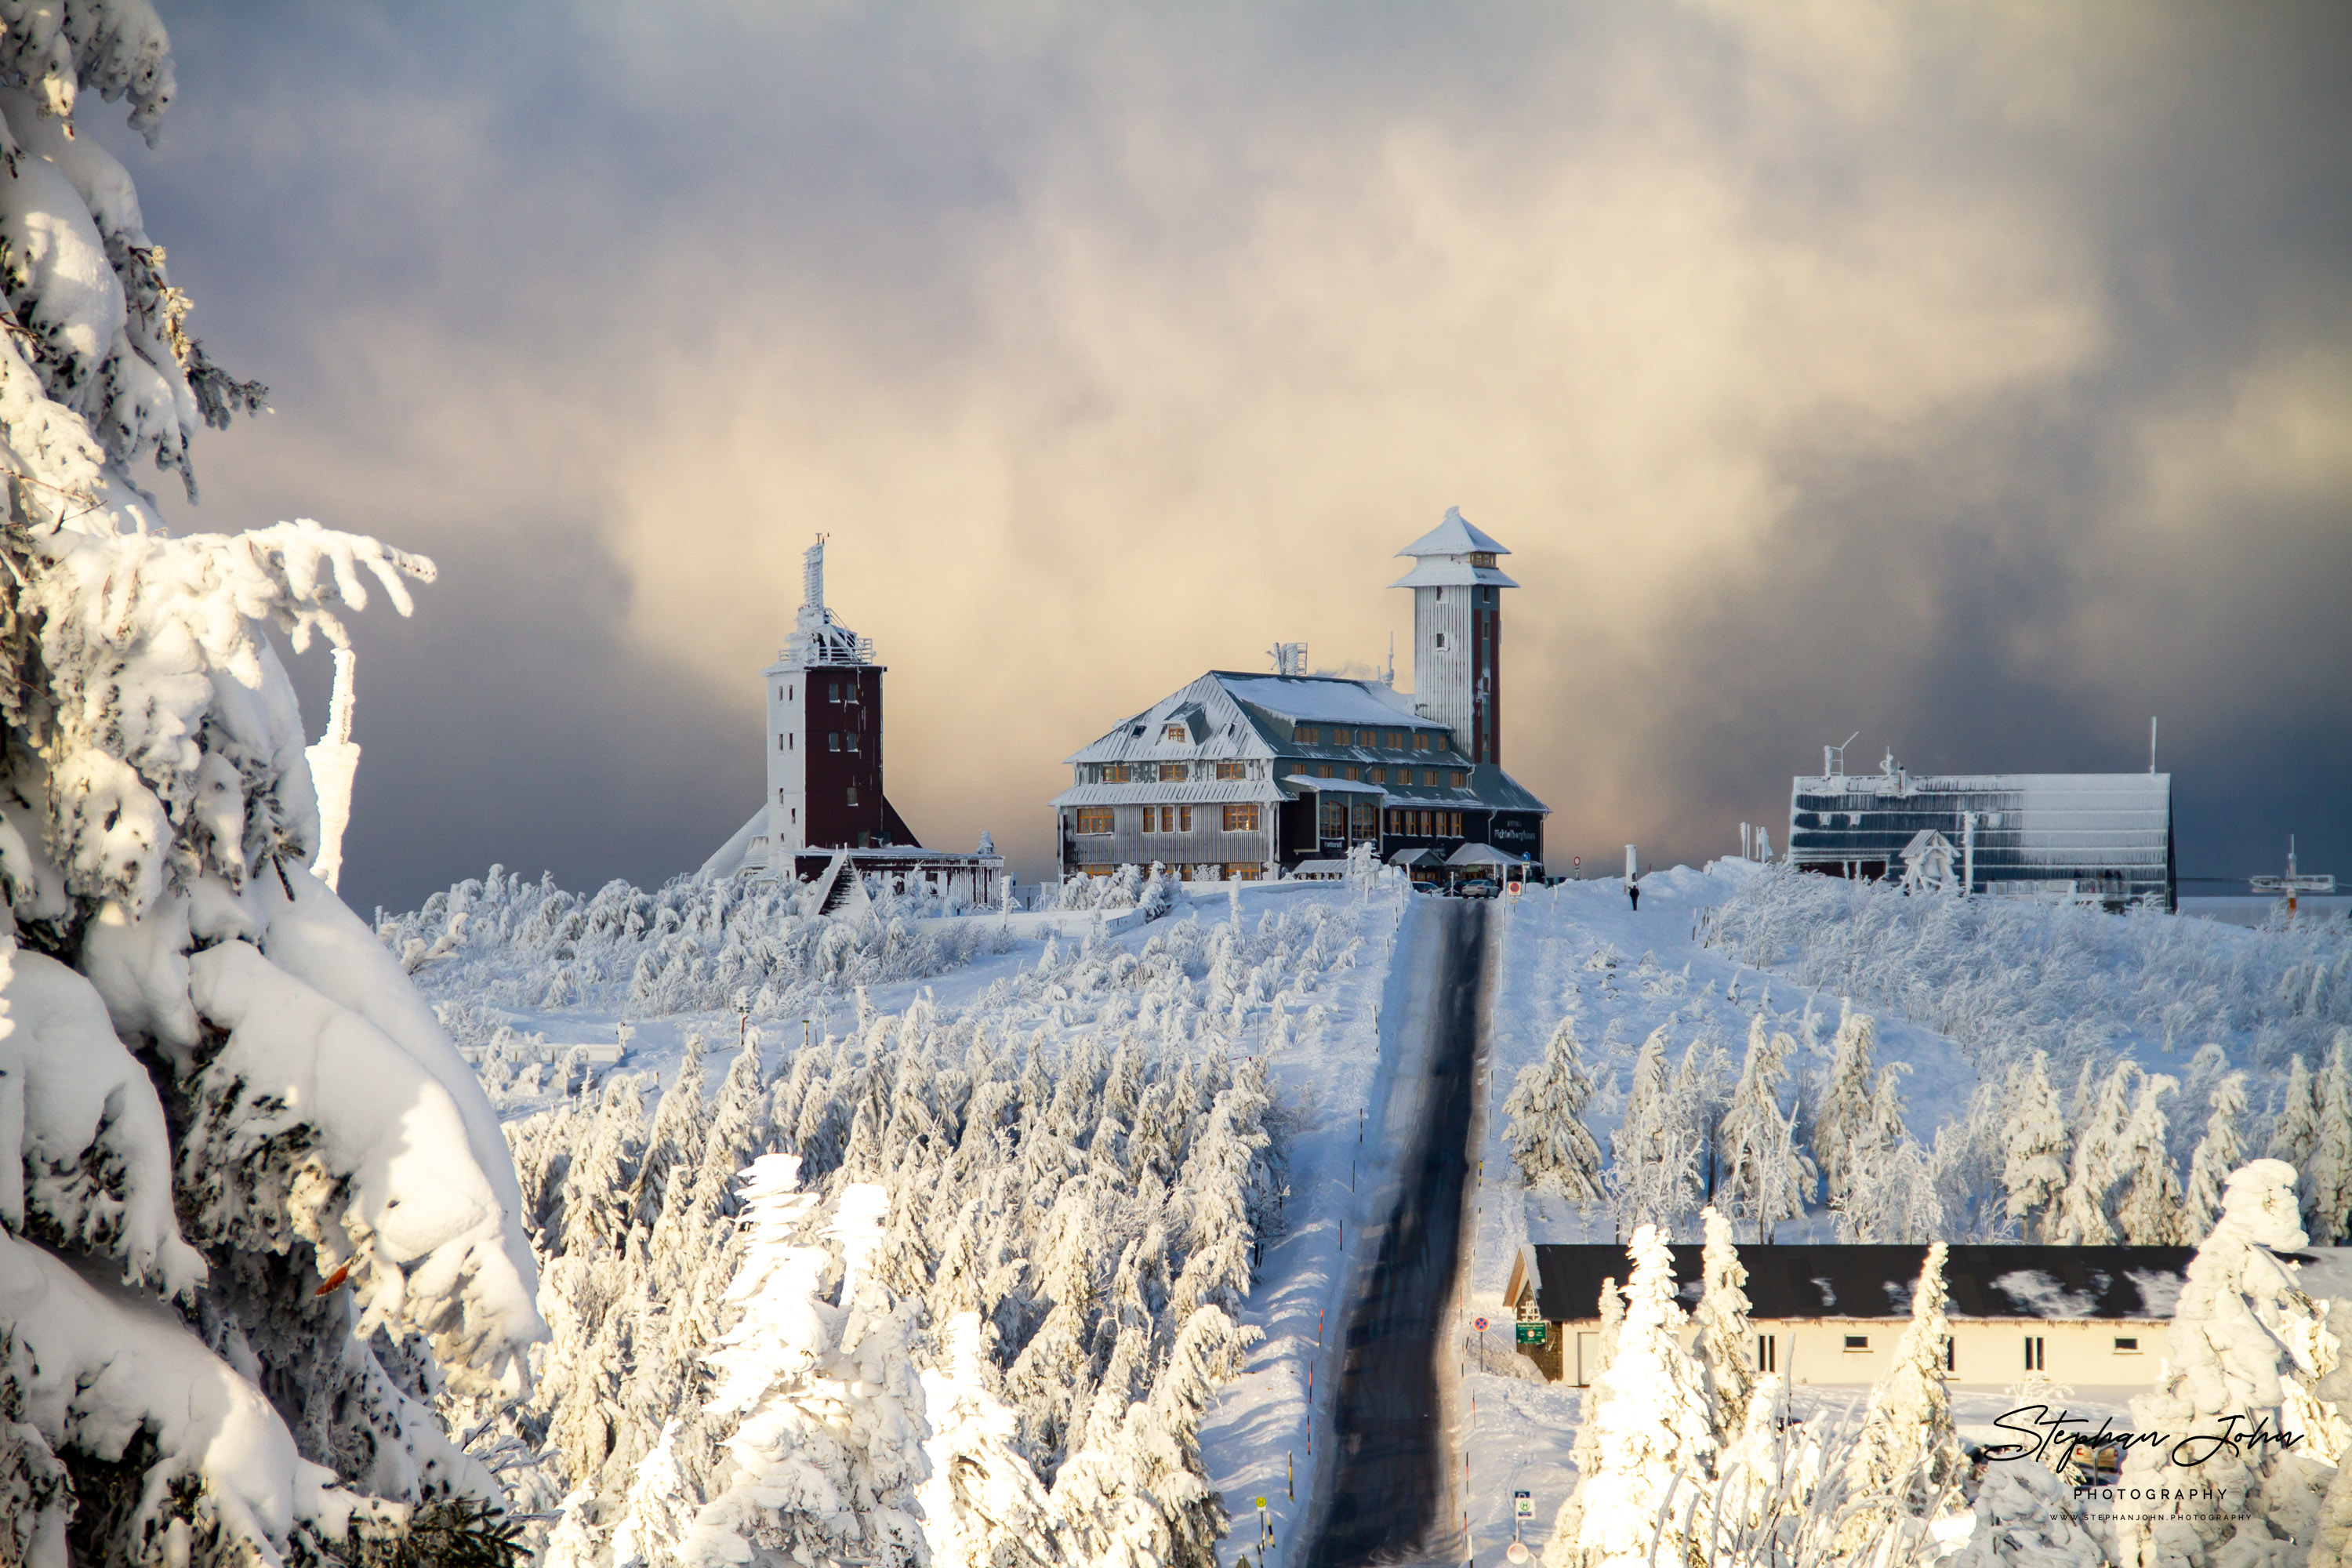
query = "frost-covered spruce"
{"x": 2219, "y": 1153}
{"x": 1843, "y": 1118}
{"x": 2082, "y": 1218}
{"x": 1907, "y": 1459}
{"x": 984, "y": 1507}
{"x": 2327, "y": 1177}
{"x": 1764, "y": 1172}
{"x": 2034, "y": 1172}
{"x": 1654, "y": 1150}
{"x": 1584, "y": 1457}
{"x": 2224, "y": 1366}
{"x": 1656, "y": 1443}
{"x": 2151, "y": 1210}
{"x": 1723, "y": 1329}
{"x": 221, "y": 1092}
{"x": 1548, "y": 1138}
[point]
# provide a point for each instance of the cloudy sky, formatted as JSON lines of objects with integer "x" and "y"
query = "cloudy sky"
{"x": 1978, "y": 378}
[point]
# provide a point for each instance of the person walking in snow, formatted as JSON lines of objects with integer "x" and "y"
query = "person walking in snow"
{"x": 1634, "y": 892}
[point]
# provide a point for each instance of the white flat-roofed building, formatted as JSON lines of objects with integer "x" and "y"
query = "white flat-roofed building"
{"x": 2093, "y": 837}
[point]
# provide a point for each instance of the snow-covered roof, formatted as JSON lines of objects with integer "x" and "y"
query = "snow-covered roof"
{"x": 2052, "y": 1283}
{"x": 1325, "y": 700}
{"x": 1200, "y": 791}
{"x": 1455, "y": 536}
{"x": 1443, "y": 556}
{"x": 1483, "y": 854}
{"x": 1320, "y": 870}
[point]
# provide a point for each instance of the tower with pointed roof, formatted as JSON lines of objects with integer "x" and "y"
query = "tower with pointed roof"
{"x": 1458, "y": 632}
{"x": 825, "y": 720}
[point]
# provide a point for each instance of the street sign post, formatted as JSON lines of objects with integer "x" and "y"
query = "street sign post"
{"x": 1533, "y": 1333}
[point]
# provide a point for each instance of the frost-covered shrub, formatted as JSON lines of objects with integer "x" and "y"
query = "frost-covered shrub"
{"x": 254, "y": 1207}
{"x": 695, "y": 944}
{"x": 2007, "y": 977}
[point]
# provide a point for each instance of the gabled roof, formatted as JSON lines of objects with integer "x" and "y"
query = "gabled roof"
{"x": 1455, "y": 536}
{"x": 1325, "y": 700}
{"x": 1798, "y": 1282}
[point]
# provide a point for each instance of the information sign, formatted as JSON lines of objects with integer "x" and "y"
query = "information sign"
{"x": 1533, "y": 1333}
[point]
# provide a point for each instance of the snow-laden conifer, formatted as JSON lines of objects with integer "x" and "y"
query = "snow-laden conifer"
{"x": 1655, "y": 1150}
{"x": 984, "y": 1507}
{"x": 2222, "y": 1368}
{"x": 1724, "y": 1366}
{"x": 1905, "y": 1459}
{"x": 2327, "y": 1177}
{"x": 1658, "y": 1444}
{"x": 2083, "y": 1219}
{"x": 1842, "y": 1115}
{"x": 2034, "y": 1172}
{"x": 1547, "y": 1135}
{"x": 331, "y": 1206}
{"x": 1584, "y": 1457}
{"x": 2220, "y": 1152}
{"x": 826, "y": 1447}
{"x": 2295, "y": 1134}
{"x": 1765, "y": 1174}
{"x": 2149, "y": 1213}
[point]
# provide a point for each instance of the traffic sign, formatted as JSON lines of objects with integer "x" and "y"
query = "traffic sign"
{"x": 1522, "y": 1505}
{"x": 1479, "y": 1324}
{"x": 1517, "y": 1553}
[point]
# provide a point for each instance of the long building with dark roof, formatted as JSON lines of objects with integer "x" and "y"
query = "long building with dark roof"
{"x": 1243, "y": 775}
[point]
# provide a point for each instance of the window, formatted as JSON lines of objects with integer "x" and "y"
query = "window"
{"x": 1351, "y": 774}
{"x": 1951, "y": 1354}
{"x": 788, "y": 694}
{"x": 1241, "y": 819}
{"x": 1232, "y": 770}
{"x": 853, "y": 800}
{"x": 833, "y": 740}
{"x": 1332, "y": 818}
{"x": 1452, "y": 824}
{"x": 833, "y": 692}
{"x": 1366, "y": 816}
{"x": 1429, "y": 778}
{"x": 1366, "y": 738}
{"x": 1421, "y": 740}
{"x": 780, "y": 797}
{"x": 849, "y": 692}
{"x": 1174, "y": 732}
{"x": 1482, "y": 558}
{"x": 1441, "y": 636}
{"x": 1379, "y": 775}
{"x": 2037, "y": 1354}
{"x": 1183, "y": 820}
{"x": 1150, "y": 819}
{"x": 1396, "y": 740}
{"x": 780, "y": 743}
{"x": 1857, "y": 1342}
{"x": 1307, "y": 735}
{"x": 1247, "y": 872}
{"x": 1172, "y": 773}
{"x": 853, "y": 740}
{"x": 1455, "y": 777}
{"x": 1094, "y": 820}
{"x": 2127, "y": 1344}
{"x": 1323, "y": 771}
{"x": 1767, "y": 1354}
{"x": 1118, "y": 773}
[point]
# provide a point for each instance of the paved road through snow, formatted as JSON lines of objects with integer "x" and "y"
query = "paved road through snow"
{"x": 1390, "y": 1500}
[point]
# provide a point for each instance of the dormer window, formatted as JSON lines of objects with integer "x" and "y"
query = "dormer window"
{"x": 1482, "y": 558}
{"x": 1308, "y": 735}
{"x": 1176, "y": 732}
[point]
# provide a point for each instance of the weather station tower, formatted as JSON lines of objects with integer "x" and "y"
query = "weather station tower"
{"x": 1457, "y": 632}
{"x": 825, "y": 720}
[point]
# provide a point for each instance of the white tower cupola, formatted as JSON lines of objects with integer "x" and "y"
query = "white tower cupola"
{"x": 824, "y": 729}
{"x": 1458, "y": 632}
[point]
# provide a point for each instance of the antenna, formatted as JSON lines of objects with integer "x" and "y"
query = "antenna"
{"x": 1391, "y": 675}
{"x": 2151, "y": 742}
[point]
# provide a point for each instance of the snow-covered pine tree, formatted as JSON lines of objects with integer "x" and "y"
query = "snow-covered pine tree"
{"x": 1723, "y": 1331}
{"x": 1584, "y": 1456}
{"x": 1843, "y": 1115}
{"x": 1556, "y": 1153}
{"x": 1654, "y": 1165}
{"x": 2327, "y": 1178}
{"x": 1701, "y": 1088}
{"x": 2222, "y": 1368}
{"x": 2150, "y": 1212}
{"x": 1765, "y": 1175}
{"x": 337, "y": 1210}
{"x": 984, "y": 1507}
{"x": 2219, "y": 1153}
{"x": 2034, "y": 1173}
{"x": 2082, "y": 1218}
{"x": 1656, "y": 1441}
{"x": 1906, "y": 1457}
{"x": 825, "y": 1448}
{"x": 2295, "y": 1134}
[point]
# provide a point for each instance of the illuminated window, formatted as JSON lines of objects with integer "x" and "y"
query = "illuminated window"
{"x": 1307, "y": 735}
{"x": 1241, "y": 819}
{"x": 1452, "y": 824}
{"x": 1351, "y": 774}
{"x": 1118, "y": 773}
{"x": 1455, "y": 777}
{"x": 1379, "y": 775}
{"x": 1244, "y": 873}
{"x": 1323, "y": 771}
{"x": 1150, "y": 819}
{"x": 1094, "y": 820}
{"x": 1232, "y": 770}
{"x": 1429, "y": 778}
{"x": 1421, "y": 740}
{"x": 1174, "y": 732}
